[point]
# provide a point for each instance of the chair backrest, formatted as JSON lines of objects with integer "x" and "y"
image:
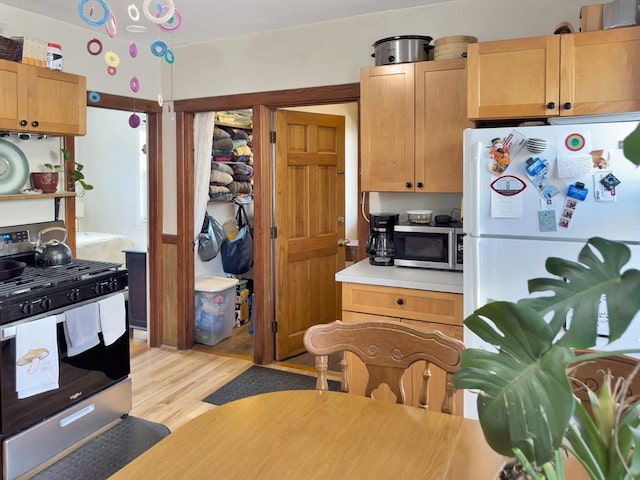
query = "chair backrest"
{"x": 387, "y": 349}
{"x": 591, "y": 374}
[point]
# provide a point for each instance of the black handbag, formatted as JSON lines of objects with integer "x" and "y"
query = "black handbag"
{"x": 209, "y": 238}
{"x": 237, "y": 253}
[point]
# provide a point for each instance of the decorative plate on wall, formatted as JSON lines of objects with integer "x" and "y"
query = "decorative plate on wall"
{"x": 14, "y": 168}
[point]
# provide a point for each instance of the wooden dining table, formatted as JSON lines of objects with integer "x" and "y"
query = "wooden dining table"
{"x": 309, "y": 434}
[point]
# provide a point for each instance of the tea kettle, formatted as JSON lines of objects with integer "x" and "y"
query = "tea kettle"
{"x": 54, "y": 252}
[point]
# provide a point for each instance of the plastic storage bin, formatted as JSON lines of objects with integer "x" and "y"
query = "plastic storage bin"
{"x": 215, "y": 308}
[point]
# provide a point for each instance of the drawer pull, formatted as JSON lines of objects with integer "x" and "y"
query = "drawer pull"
{"x": 400, "y": 301}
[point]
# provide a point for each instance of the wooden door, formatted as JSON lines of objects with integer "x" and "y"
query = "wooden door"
{"x": 441, "y": 117}
{"x": 514, "y": 78}
{"x": 309, "y": 213}
{"x": 57, "y": 101}
{"x": 387, "y": 128}
{"x": 13, "y": 95}
{"x": 599, "y": 72}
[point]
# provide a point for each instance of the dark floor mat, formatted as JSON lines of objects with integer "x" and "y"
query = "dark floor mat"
{"x": 104, "y": 455}
{"x": 257, "y": 380}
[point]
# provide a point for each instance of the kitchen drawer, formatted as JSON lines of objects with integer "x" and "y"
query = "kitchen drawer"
{"x": 405, "y": 303}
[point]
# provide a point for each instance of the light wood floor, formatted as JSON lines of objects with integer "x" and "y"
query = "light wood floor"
{"x": 169, "y": 384}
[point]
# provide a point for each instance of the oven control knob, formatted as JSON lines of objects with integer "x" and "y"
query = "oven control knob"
{"x": 112, "y": 285}
{"x": 74, "y": 295}
{"x": 45, "y": 304}
{"x": 26, "y": 308}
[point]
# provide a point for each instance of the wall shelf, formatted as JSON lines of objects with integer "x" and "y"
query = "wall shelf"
{"x": 35, "y": 196}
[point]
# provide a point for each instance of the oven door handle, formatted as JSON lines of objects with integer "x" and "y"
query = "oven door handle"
{"x": 10, "y": 332}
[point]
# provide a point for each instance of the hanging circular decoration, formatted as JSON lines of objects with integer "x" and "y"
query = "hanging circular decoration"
{"x": 134, "y": 13}
{"x": 159, "y": 48}
{"x": 87, "y": 20}
{"x": 94, "y": 97}
{"x": 158, "y": 20}
{"x": 574, "y": 142}
{"x": 135, "y": 28}
{"x": 112, "y": 70}
{"x": 111, "y": 26}
{"x": 160, "y": 100}
{"x": 94, "y": 46}
{"x": 173, "y": 24}
{"x": 134, "y": 83}
{"x": 134, "y": 120}
{"x": 112, "y": 59}
{"x": 133, "y": 50}
{"x": 169, "y": 56}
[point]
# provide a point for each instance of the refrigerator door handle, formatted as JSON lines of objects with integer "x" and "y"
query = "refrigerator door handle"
{"x": 471, "y": 197}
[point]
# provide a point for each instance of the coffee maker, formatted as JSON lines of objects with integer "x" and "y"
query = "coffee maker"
{"x": 380, "y": 246}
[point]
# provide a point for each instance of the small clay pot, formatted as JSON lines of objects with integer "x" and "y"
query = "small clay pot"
{"x": 45, "y": 181}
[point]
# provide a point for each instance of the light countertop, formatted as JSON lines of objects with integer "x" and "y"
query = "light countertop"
{"x": 402, "y": 277}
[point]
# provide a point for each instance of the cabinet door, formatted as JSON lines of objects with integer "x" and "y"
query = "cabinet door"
{"x": 387, "y": 128}
{"x": 514, "y": 78}
{"x": 13, "y": 96}
{"x": 599, "y": 72}
{"x": 57, "y": 102}
{"x": 441, "y": 117}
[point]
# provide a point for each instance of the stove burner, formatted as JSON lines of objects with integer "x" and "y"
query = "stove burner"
{"x": 34, "y": 278}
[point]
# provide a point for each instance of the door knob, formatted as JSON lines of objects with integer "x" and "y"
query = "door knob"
{"x": 340, "y": 220}
{"x": 343, "y": 242}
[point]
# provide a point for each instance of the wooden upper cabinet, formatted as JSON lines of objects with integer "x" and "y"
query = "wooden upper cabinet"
{"x": 600, "y": 72}
{"x": 513, "y": 78}
{"x": 387, "y": 127}
{"x": 557, "y": 75}
{"x": 38, "y": 100}
{"x": 412, "y": 118}
{"x": 441, "y": 117}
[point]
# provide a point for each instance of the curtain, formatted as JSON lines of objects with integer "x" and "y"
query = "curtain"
{"x": 202, "y": 145}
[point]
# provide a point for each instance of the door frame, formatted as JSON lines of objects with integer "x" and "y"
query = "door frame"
{"x": 154, "y": 200}
{"x": 261, "y": 103}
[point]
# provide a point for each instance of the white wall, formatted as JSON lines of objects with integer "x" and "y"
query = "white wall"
{"x": 110, "y": 153}
{"x": 76, "y": 59}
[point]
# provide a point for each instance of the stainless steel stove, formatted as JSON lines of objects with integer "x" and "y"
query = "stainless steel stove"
{"x": 93, "y": 386}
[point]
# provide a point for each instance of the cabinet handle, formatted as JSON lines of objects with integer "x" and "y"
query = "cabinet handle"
{"x": 35, "y": 123}
{"x": 567, "y": 106}
{"x": 551, "y": 105}
{"x": 408, "y": 185}
{"x": 400, "y": 301}
{"x": 23, "y": 123}
{"x": 419, "y": 185}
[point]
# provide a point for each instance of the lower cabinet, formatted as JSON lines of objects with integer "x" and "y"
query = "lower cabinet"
{"x": 421, "y": 308}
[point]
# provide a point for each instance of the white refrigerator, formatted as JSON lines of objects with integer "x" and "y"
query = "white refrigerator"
{"x": 578, "y": 184}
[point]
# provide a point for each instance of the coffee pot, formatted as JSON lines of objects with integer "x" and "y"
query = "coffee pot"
{"x": 380, "y": 247}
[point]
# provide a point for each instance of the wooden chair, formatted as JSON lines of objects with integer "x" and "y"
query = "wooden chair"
{"x": 387, "y": 349}
{"x": 592, "y": 374}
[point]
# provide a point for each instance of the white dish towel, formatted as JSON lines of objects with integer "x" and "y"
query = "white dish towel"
{"x": 37, "y": 368}
{"x": 81, "y": 328}
{"x": 112, "y": 318}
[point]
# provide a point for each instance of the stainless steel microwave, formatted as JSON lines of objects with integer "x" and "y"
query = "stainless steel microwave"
{"x": 428, "y": 246}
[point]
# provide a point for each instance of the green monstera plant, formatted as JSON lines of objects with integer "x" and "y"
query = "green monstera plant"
{"x": 526, "y": 405}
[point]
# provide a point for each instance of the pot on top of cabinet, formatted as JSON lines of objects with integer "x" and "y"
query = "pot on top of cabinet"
{"x": 402, "y": 49}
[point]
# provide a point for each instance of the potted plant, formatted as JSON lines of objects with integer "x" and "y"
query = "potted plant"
{"x": 526, "y": 405}
{"x": 47, "y": 180}
{"x": 76, "y": 177}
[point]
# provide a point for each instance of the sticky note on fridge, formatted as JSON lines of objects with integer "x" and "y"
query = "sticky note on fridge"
{"x": 547, "y": 220}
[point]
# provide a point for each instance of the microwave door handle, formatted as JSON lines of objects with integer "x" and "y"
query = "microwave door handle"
{"x": 452, "y": 249}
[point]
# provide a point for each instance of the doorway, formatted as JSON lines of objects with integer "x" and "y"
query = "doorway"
{"x": 242, "y": 344}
